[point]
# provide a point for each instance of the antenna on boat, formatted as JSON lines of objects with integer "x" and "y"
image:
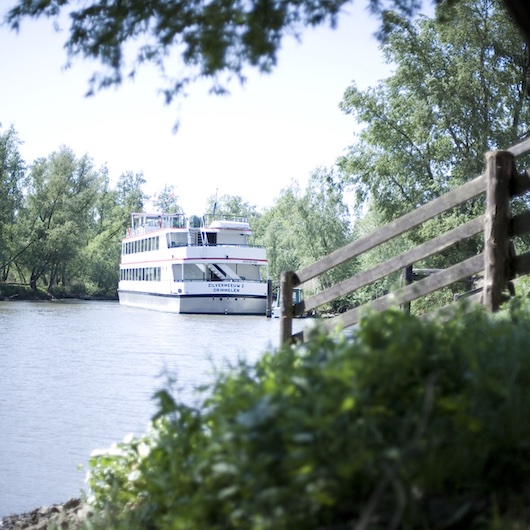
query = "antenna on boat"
{"x": 215, "y": 203}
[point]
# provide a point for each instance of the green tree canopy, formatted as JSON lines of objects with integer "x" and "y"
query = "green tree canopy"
{"x": 305, "y": 225}
{"x": 166, "y": 201}
{"x": 230, "y": 206}
{"x": 12, "y": 174}
{"x": 62, "y": 193}
{"x": 458, "y": 90}
{"x": 214, "y": 40}
{"x": 61, "y": 222}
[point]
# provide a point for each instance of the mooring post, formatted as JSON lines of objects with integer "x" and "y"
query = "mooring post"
{"x": 499, "y": 171}
{"x": 268, "y": 310}
{"x": 286, "y": 307}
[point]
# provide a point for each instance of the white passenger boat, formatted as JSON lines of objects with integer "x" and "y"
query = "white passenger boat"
{"x": 170, "y": 262}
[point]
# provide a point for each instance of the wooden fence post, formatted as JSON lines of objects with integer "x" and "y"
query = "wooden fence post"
{"x": 268, "y": 310}
{"x": 407, "y": 280}
{"x": 499, "y": 170}
{"x": 286, "y": 307}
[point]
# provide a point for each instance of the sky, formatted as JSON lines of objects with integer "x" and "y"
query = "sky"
{"x": 275, "y": 129}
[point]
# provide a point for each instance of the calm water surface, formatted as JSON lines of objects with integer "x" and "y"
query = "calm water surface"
{"x": 76, "y": 376}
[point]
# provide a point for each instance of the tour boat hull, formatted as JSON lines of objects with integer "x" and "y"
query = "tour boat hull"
{"x": 195, "y": 304}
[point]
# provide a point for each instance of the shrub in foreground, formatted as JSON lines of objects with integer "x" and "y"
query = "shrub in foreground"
{"x": 409, "y": 424}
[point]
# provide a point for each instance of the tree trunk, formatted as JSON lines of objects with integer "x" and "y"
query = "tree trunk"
{"x": 33, "y": 282}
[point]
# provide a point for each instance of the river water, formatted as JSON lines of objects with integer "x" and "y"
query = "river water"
{"x": 77, "y": 376}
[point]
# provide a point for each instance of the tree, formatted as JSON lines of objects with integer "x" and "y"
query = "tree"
{"x": 276, "y": 230}
{"x": 129, "y": 190}
{"x": 98, "y": 262}
{"x": 303, "y": 226}
{"x": 54, "y": 222}
{"x": 230, "y": 206}
{"x": 215, "y": 40}
{"x": 12, "y": 174}
{"x": 167, "y": 201}
{"x": 458, "y": 90}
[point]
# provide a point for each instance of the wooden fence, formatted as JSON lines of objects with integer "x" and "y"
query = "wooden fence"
{"x": 498, "y": 263}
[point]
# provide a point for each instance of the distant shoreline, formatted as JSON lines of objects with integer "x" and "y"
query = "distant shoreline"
{"x": 26, "y": 298}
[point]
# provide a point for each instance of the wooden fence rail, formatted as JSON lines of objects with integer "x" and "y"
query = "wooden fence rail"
{"x": 500, "y": 183}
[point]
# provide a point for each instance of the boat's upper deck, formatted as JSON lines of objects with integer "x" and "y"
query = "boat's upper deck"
{"x": 177, "y": 230}
{"x": 143, "y": 223}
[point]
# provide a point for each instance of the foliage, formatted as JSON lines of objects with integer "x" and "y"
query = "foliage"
{"x": 457, "y": 91}
{"x": 61, "y": 194}
{"x": 363, "y": 227}
{"x": 214, "y": 40}
{"x": 61, "y": 223}
{"x": 411, "y": 422}
{"x": 417, "y": 143}
{"x": 305, "y": 225}
{"x": 11, "y": 184}
{"x": 230, "y": 206}
{"x": 167, "y": 201}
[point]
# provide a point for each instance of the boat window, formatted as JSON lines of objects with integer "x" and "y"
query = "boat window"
{"x": 211, "y": 238}
{"x": 177, "y": 240}
{"x": 177, "y": 272}
{"x": 178, "y": 221}
{"x": 193, "y": 272}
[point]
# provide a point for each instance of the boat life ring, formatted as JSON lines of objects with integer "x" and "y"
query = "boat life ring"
{"x": 128, "y": 231}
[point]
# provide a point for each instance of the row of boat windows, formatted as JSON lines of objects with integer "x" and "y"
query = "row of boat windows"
{"x": 148, "y": 274}
{"x": 142, "y": 245}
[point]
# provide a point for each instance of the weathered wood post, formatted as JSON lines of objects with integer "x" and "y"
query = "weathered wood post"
{"x": 499, "y": 171}
{"x": 407, "y": 280}
{"x": 268, "y": 309}
{"x": 286, "y": 307}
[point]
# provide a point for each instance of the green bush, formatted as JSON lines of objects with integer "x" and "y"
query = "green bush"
{"x": 408, "y": 424}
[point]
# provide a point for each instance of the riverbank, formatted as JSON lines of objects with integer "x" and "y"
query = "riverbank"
{"x": 15, "y": 292}
{"x": 66, "y": 516}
